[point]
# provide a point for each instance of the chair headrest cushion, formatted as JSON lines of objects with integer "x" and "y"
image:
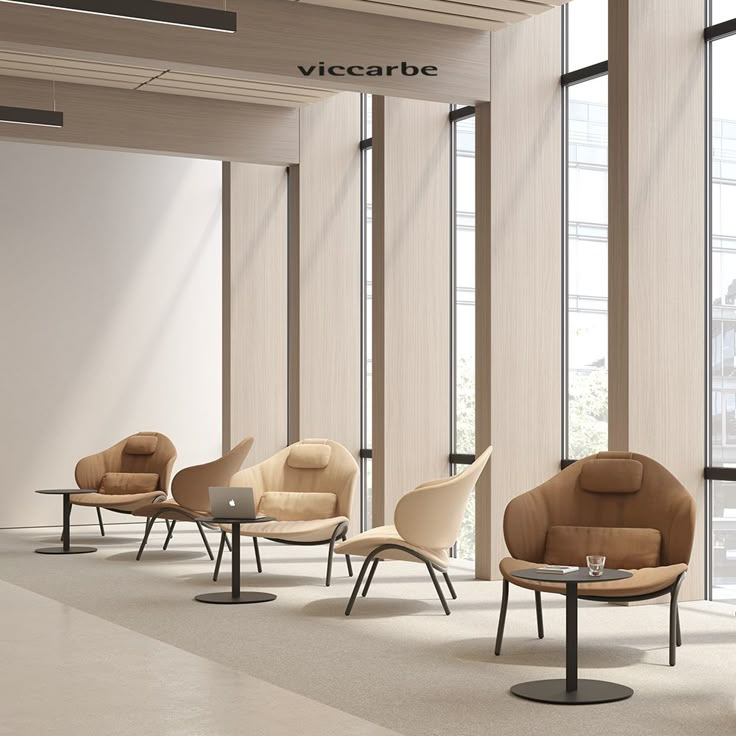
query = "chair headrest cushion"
{"x": 611, "y": 475}
{"x": 141, "y": 444}
{"x": 311, "y": 456}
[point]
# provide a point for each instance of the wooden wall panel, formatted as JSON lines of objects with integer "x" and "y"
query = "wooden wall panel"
{"x": 327, "y": 356}
{"x": 273, "y": 38}
{"x": 518, "y": 274}
{"x": 411, "y": 282}
{"x": 101, "y": 117}
{"x": 657, "y": 98}
{"x": 255, "y": 228}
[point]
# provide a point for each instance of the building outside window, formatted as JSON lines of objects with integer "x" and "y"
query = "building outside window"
{"x": 585, "y": 239}
{"x": 722, "y": 295}
{"x": 463, "y": 311}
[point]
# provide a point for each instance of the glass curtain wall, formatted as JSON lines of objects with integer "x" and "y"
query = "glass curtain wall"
{"x": 585, "y": 217}
{"x": 366, "y": 148}
{"x": 722, "y": 290}
{"x": 463, "y": 309}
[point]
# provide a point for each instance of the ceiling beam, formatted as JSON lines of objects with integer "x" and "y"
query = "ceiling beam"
{"x": 121, "y": 119}
{"x": 273, "y": 40}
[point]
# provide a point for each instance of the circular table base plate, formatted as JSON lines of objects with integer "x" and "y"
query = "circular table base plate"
{"x": 227, "y": 597}
{"x": 62, "y": 551}
{"x": 589, "y": 692}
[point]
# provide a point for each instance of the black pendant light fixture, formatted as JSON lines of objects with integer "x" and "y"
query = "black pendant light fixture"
{"x": 153, "y": 11}
{"x": 31, "y": 116}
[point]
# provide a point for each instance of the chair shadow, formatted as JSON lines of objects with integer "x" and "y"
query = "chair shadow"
{"x": 159, "y": 555}
{"x": 518, "y": 651}
{"x": 368, "y": 608}
{"x": 91, "y": 539}
{"x": 253, "y": 579}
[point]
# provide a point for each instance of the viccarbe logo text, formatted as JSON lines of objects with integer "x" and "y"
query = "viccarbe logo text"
{"x": 403, "y": 69}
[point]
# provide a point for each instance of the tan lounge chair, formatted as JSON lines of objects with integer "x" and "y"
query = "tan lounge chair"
{"x": 308, "y": 488}
{"x": 618, "y": 504}
{"x": 133, "y": 472}
{"x": 427, "y": 521}
{"x": 190, "y": 494}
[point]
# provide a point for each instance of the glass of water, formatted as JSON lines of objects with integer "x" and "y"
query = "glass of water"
{"x": 596, "y": 563}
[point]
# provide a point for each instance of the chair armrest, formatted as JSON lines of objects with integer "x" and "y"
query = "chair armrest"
{"x": 89, "y": 471}
{"x": 525, "y": 525}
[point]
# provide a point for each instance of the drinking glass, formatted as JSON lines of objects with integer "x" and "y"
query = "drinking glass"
{"x": 596, "y": 563}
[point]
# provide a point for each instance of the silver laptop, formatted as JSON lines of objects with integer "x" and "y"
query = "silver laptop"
{"x": 232, "y": 503}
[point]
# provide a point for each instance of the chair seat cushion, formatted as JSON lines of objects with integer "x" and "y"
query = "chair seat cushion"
{"x": 316, "y": 530}
{"x": 168, "y": 510}
{"x": 644, "y": 581}
{"x": 363, "y": 544}
{"x": 627, "y": 548}
{"x": 291, "y": 506}
{"x": 118, "y": 502}
{"x": 129, "y": 483}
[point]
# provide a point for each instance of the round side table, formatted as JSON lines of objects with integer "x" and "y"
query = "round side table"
{"x": 571, "y": 690}
{"x": 235, "y": 595}
{"x": 66, "y": 548}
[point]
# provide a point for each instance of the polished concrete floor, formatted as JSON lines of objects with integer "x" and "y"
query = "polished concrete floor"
{"x": 102, "y": 644}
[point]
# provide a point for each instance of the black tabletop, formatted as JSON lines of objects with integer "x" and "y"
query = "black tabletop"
{"x": 59, "y": 491}
{"x": 218, "y": 520}
{"x": 579, "y": 576}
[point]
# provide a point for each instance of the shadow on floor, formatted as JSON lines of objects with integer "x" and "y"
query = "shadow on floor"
{"x": 368, "y": 608}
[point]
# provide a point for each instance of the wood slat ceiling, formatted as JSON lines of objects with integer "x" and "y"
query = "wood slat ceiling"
{"x": 484, "y": 15}
{"x": 167, "y": 81}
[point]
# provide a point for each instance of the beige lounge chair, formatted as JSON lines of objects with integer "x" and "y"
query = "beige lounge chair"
{"x": 427, "y": 521}
{"x": 133, "y": 472}
{"x": 190, "y": 494}
{"x": 308, "y": 488}
{"x": 622, "y": 505}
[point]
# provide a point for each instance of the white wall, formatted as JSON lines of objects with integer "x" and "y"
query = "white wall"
{"x": 110, "y": 313}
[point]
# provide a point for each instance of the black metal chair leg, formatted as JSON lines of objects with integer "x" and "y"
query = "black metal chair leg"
{"x": 227, "y": 543}
{"x": 204, "y": 539}
{"x": 502, "y": 617}
{"x": 358, "y": 583}
{"x": 258, "y": 554}
{"x": 99, "y": 521}
{"x": 223, "y": 539}
{"x": 170, "y": 532}
{"x": 675, "y": 634}
{"x": 328, "y": 578}
{"x": 540, "y": 620}
{"x": 349, "y": 564}
{"x": 370, "y": 577}
{"x": 679, "y": 631}
{"x": 450, "y": 586}
{"x": 437, "y": 588}
{"x": 149, "y": 526}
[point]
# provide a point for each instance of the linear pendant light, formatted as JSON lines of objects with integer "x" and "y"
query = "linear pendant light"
{"x": 30, "y": 116}
{"x": 153, "y": 11}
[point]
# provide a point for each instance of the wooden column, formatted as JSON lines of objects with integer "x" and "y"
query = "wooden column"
{"x": 325, "y": 268}
{"x": 411, "y": 282}
{"x": 656, "y": 256}
{"x": 255, "y": 307}
{"x": 518, "y": 274}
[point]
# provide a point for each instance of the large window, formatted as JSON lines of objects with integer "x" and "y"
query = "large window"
{"x": 463, "y": 309}
{"x": 722, "y": 277}
{"x": 585, "y": 237}
{"x": 366, "y": 147}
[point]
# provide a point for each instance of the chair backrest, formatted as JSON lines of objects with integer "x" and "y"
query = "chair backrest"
{"x": 609, "y": 489}
{"x": 190, "y": 487}
{"x": 431, "y": 515}
{"x": 143, "y": 452}
{"x": 308, "y": 466}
